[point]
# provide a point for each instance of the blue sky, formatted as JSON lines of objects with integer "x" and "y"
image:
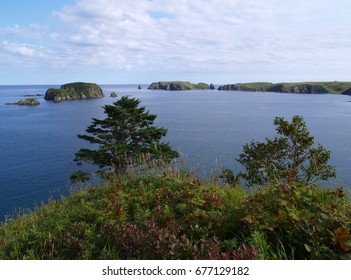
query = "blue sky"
{"x": 141, "y": 41}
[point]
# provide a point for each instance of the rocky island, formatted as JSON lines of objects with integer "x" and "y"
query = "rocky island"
{"x": 113, "y": 95}
{"x": 303, "y": 87}
{"x": 73, "y": 91}
{"x": 27, "y": 102}
{"x": 178, "y": 85}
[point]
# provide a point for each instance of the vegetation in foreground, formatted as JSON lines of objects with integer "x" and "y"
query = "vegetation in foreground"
{"x": 172, "y": 215}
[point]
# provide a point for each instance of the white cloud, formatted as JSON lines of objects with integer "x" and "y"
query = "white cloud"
{"x": 20, "y": 49}
{"x": 234, "y": 37}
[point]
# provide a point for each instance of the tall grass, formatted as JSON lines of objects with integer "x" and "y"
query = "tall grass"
{"x": 167, "y": 213}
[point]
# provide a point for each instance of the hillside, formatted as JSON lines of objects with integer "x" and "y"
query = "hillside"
{"x": 175, "y": 216}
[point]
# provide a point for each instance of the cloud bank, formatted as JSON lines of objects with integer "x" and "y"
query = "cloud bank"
{"x": 212, "y": 40}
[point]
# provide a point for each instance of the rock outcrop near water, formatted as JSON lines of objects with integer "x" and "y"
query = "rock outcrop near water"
{"x": 73, "y": 91}
{"x": 246, "y": 87}
{"x": 178, "y": 85}
{"x": 26, "y": 102}
{"x": 304, "y": 87}
{"x": 347, "y": 92}
{"x": 297, "y": 88}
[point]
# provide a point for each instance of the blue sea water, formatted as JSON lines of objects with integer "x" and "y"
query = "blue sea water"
{"x": 208, "y": 127}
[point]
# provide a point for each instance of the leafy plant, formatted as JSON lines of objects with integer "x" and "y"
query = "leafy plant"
{"x": 304, "y": 223}
{"x": 123, "y": 137}
{"x": 229, "y": 177}
{"x": 288, "y": 157}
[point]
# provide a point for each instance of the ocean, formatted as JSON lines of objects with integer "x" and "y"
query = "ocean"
{"x": 208, "y": 127}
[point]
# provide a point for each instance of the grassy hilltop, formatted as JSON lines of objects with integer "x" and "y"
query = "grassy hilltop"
{"x": 175, "y": 216}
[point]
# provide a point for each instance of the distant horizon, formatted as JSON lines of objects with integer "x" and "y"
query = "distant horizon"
{"x": 216, "y": 84}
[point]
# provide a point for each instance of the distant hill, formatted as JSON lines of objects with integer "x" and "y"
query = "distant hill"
{"x": 177, "y": 85}
{"x": 300, "y": 87}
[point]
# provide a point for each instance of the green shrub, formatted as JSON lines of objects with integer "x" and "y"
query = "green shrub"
{"x": 170, "y": 216}
{"x": 180, "y": 217}
{"x": 301, "y": 221}
{"x": 175, "y": 216}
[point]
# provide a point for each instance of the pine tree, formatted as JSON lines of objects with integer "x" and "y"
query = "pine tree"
{"x": 123, "y": 137}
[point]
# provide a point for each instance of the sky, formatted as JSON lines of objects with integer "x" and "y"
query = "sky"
{"x": 142, "y": 41}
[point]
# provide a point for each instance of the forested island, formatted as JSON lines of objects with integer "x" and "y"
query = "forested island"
{"x": 72, "y": 91}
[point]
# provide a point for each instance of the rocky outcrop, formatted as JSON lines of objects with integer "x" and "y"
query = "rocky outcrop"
{"x": 113, "y": 94}
{"x": 177, "y": 85}
{"x": 297, "y": 88}
{"x": 74, "y": 91}
{"x": 280, "y": 87}
{"x": 228, "y": 87}
{"x": 32, "y": 95}
{"x": 347, "y": 92}
{"x": 246, "y": 87}
{"x": 26, "y": 102}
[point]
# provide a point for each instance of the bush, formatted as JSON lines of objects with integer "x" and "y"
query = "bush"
{"x": 175, "y": 216}
{"x": 170, "y": 218}
{"x": 304, "y": 223}
{"x": 288, "y": 157}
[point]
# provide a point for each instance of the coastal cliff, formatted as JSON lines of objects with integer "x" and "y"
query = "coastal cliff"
{"x": 347, "y": 92}
{"x": 177, "y": 85}
{"x": 246, "y": 86}
{"x": 303, "y": 88}
{"x": 72, "y": 91}
{"x": 297, "y": 88}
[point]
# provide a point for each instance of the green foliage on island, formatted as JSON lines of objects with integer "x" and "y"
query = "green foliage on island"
{"x": 178, "y": 85}
{"x": 301, "y": 87}
{"x": 26, "y": 102}
{"x": 72, "y": 91}
{"x": 164, "y": 212}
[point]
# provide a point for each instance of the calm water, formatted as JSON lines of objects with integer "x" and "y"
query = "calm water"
{"x": 208, "y": 127}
